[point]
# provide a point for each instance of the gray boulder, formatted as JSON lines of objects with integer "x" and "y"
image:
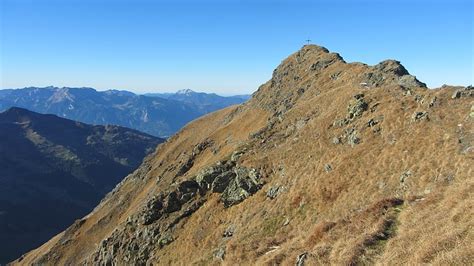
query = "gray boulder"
{"x": 206, "y": 177}
{"x": 409, "y": 81}
{"x": 327, "y": 168}
{"x": 152, "y": 210}
{"x": 219, "y": 253}
{"x": 166, "y": 239}
{"x": 357, "y": 106}
{"x": 464, "y": 92}
{"x": 391, "y": 67}
{"x": 229, "y": 231}
{"x": 172, "y": 203}
{"x": 456, "y": 94}
{"x": 353, "y": 137}
{"x": 245, "y": 183}
{"x": 274, "y": 191}
{"x": 300, "y": 260}
{"x": 221, "y": 182}
{"x": 419, "y": 116}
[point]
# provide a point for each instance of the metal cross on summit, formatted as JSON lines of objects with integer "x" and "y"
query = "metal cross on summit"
{"x": 308, "y": 41}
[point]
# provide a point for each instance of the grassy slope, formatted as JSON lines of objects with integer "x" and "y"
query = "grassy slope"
{"x": 360, "y": 212}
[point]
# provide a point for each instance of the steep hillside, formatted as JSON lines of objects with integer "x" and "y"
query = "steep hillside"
{"x": 153, "y": 115}
{"x": 329, "y": 162}
{"x": 55, "y": 170}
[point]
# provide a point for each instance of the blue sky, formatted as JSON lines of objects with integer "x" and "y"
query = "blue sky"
{"x": 228, "y": 47}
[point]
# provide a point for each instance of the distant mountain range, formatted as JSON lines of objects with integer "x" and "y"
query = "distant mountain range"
{"x": 158, "y": 114}
{"x": 55, "y": 170}
{"x": 206, "y": 102}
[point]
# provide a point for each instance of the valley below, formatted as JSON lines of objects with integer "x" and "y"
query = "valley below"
{"x": 55, "y": 170}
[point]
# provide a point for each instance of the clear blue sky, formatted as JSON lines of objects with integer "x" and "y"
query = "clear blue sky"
{"x": 228, "y": 47}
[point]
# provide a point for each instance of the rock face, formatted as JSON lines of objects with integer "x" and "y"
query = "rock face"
{"x": 162, "y": 213}
{"x": 226, "y": 171}
{"x": 236, "y": 183}
{"x": 56, "y": 170}
{"x": 244, "y": 184}
{"x": 391, "y": 71}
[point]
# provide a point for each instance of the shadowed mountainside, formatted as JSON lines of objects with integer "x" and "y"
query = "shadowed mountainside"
{"x": 328, "y": 163}
{"x": 56, "y": 170}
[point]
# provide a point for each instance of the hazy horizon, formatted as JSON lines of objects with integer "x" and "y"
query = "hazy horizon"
{"x": 128, "y": 90}
{"x": 227, "y": 48}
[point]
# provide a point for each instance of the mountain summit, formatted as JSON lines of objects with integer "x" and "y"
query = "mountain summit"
{"x": 328, "y": 163}
{"x": 185, "y": 91}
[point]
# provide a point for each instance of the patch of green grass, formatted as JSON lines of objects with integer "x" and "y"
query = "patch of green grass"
{"x": 271, "y": 225}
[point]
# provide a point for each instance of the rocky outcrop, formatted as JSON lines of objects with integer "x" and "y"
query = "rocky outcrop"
{"x": 357, "y": 107}
{"x": 244, "y": 184}
{"x": 311, "y": 60}
{"x": 339, "y": 204}
{"x": 274, "y": 191}
{"x": 391, "y": 67}
{"x": 464, "y": 92}
{"x": 419, "y": 116}
{"x": 391, "y": 72}
{"x": 216, "y": 177}
{"x": 352, "y": 136}
{"x": 236, "y": 183}
{"x": 163, "y": 212}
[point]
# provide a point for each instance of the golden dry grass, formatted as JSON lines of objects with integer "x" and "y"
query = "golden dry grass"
{"x": 358, "y": 213}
